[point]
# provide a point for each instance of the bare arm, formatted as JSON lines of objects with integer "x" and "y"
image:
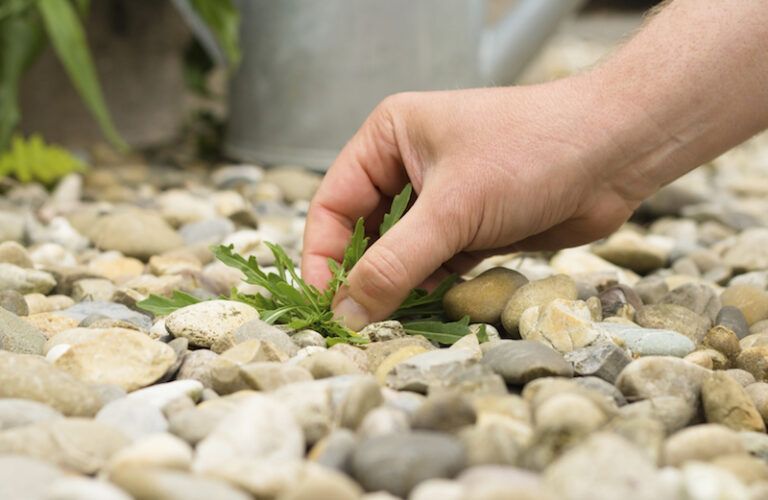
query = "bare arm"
{"x": 543, "y": 166}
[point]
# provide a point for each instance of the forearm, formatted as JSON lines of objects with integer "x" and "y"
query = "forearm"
{"x": 690, "y": 85}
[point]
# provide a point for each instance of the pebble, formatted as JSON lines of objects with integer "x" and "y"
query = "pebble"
{"x": 93, "y": 289}
{"x": 205, "y": 323}
{"x": 269, "y": 376}
{"x": 521, "y": 361}
{"x": 656, "y": 376}
{"x": 649, "y": 341}
{"x": 80, "y": 488}
{"x": 18, "y": 336}
{"x": 197, "y": 365}
{"x": 260, "y": 330}
{"x": 14, "y": 302}
{"x": 156, "y": 483}
{"x": 118, "y": 356}
{"x": 726, "y": 402}
{"x": 561, "y": 324}
{"x": 30, "y": 377}
{"x": 701, "y": 443}
{"x": 21, "y": 412}
{"x": 12, "y": 252}
{"x": 758, "y": 393}
{"x": 157, "y": 450}
{"x": 630, "y": 250}
{"x": 24, "y": 281}
{"x": 755, "y": 361}
{"x": 11, "y": 227}
{"x": 674, "y": 317}
{"x": 79, "y": 444}
{"x": 260, "y": 428}
{"x": 723, "y": 340}
{"x": 26, "y": 478}
{"x": 444, "y": 413}
{"x": 295, "y": 183}
{"x": 306, "y": 338}
{"x": 536, "y": 293}
{"x": 381, "y": 331}
{"x": 732, "y": 318}
{"x": 113, "y": 311}
{"x": 483, "y": 298}
{"x": 326, "y": 364}
{"x": 418, "y": 372}
{"x": 159, "y": 395}
{"x": 136, "y": 419}
{"x": 749, "y": 299}
{"x": 397, "y": 463}
{"x": 593, "y": 462}
{"x": 134, "y": 233}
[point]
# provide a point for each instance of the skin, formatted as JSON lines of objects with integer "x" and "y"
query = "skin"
{"x": 539, "y": 167}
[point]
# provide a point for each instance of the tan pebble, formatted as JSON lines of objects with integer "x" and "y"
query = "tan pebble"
{"x": 389, "y": 363}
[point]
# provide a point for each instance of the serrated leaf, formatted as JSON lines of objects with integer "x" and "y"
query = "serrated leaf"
{"x": 356, "y": 247}
{"x": 421, "y": 303}
{"x": 68, "y": 40}
{"x": 396, "y": 210}
{"x": 437, "y": 331}
{"x": 162, "y": 306}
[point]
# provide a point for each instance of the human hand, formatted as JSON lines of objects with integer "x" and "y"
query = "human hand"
{"x": 495, "y": 170}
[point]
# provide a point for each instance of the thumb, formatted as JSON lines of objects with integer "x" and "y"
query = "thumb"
{"x": 400, "y": 260}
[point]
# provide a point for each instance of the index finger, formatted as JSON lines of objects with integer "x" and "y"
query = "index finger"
{"x": 369, "y": 166}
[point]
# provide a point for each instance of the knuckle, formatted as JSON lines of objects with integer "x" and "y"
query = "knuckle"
{"x": 382, "y": 274}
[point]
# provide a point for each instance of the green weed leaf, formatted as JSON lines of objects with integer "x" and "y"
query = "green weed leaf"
{"x": 162, "y": 306}
{"x": 396, "y": 211}
{"x": 437, "y": 331}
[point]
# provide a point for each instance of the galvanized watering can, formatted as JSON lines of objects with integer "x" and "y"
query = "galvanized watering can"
{"x": 312, "y": 70}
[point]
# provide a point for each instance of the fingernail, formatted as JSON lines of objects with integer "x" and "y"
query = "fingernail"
{"x": 351, "y": 314}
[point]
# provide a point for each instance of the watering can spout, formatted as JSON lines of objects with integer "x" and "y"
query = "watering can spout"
{"x": 508, "y": 46}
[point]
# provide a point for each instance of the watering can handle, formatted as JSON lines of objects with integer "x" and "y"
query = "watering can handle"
{"x": 508, "y": 46}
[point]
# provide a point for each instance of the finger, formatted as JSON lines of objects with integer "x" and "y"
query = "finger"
{"x": 404, "y": 257}
{"x": 369, "y": 165}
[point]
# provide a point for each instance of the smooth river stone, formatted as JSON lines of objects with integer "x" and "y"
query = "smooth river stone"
{"x": 656, "y": 376}
{"x": 650, "y": 341}
{"x": 673, "y": 317}
{"x": 536, "y": 293}
{"x": 397, "y": 463}
{"x": 134, "y": 233}
{"x": 80, "y": 444}
{"x": 749, "y": 299}
{"x": 520, "y": 361}
{"x": 726, "y": 402}
{"x": 205, "y": 323}
{"x": 16, "y": 335}
{"x": 483, "y": 298}
{"x": 25, "y": 376}
{"x": 118, "y": 356}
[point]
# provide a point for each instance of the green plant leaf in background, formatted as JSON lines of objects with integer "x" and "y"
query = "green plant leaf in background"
{"x": 21, "y": 39}
{"x": 68, "y": 39}
{"x": 33, "y": 160}
{"x": 223, "y": 19}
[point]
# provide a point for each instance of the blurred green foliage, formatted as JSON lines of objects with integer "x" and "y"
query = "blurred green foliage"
{"x": 25, "y": 25}
{"x": 34, "y": 160}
